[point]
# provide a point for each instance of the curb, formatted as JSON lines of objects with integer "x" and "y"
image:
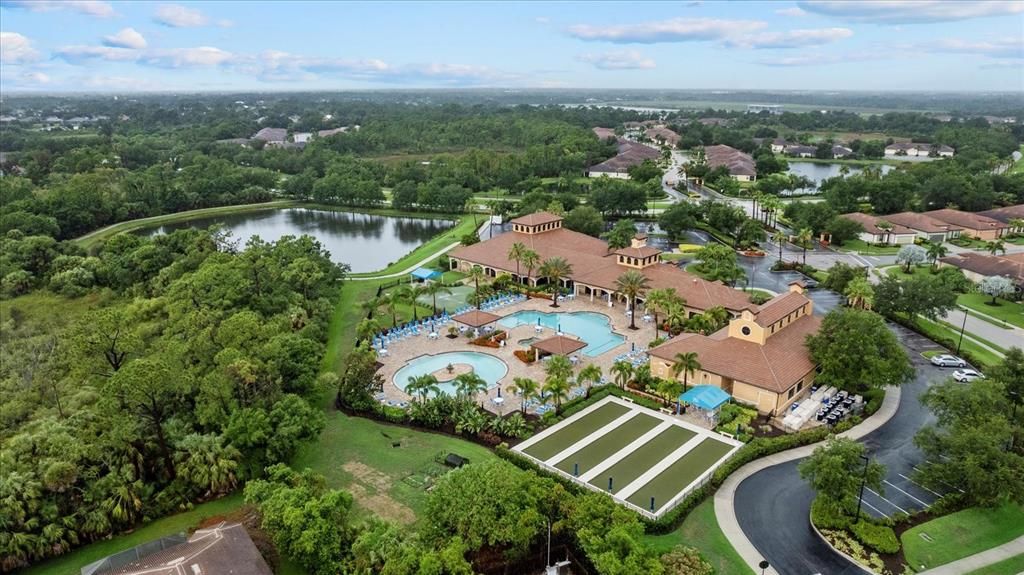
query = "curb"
{"x": 833, "y": 547}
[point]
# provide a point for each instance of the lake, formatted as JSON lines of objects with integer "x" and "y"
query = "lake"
{"x": 366, "y": 242}
{"x": 819, "y": 172}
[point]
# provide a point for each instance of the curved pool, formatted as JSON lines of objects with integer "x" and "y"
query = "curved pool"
{"x": 595, "y": 329}
{"x": 488, "y": 367}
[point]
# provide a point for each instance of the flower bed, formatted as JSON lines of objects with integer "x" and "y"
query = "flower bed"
{"x": 524, "y": 355}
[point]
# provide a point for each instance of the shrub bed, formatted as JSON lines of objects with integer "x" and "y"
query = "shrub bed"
{"x": 523, "y": 355}
{"x": 881, "y": 538}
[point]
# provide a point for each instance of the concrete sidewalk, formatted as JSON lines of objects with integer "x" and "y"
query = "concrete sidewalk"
{"x": 979, "y": 560}
{"x": 725, "y": 511}
{"x": 1003, "y": 337}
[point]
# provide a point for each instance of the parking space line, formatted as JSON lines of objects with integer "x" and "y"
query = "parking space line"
{"x": 887, "y": 501}
{"x": 944, "y": 483}
{"x": 877, "y": 510}
{"x": 921, "y": 486}
{"x": 905, "y": 493}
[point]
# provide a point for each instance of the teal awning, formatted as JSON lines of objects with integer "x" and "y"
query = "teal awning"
{"x": 425, "y": 274}
{"x": 706, "y": 397}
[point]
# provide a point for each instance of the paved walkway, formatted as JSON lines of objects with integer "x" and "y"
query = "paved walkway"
{"x": 725, "y": 512}
{"x": 409, "y": 269}
{"x": 979, "y": 560}
{"x": 1003, "y": 337}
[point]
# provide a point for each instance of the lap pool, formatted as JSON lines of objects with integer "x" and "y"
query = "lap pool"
{"x": 488, "y": 367}
{"x": 593, "y": 328}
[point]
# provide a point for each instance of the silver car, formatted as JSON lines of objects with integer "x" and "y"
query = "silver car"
{"x": 946, "y": 360}
{"x": 965, "y": 375}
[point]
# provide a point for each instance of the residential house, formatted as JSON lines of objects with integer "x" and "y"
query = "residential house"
{"x": 740, "y": 165}
{"x": 604, "y": 133}
{"x": 301, "y": 137}
{"x": 800, "y": 151}
{"x": 839, "y": 152}
{"x": 926, "y": 227}
{"x": 919, "y": 150}
{"x": 973, "y": 225}
{"x": 1006, "y": 215}
{"x": 272, "y": 136}
{"x": 779, "y": 145}
{"x": 630, "y": 154}
{"x": 978, "y": 266}
{"x": 759, "y": 358}
{"x": 876, "y": 232}
{"x": 663, "y": 136}
{"x": 773, "y": 109}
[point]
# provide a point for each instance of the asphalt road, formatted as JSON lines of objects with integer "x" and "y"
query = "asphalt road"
{"x": 773, "y": 506}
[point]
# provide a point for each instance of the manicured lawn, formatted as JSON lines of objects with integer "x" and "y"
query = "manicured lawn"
{"x": 863, "y": 247}
{"x": 939, "y": 332}
{"x": 673, "y": 257}
{"x": 961, "y": 534}
{"x": 1017, "y": 240}
{"x": 1008, "y": 311}
{"x": 1012, "y": 566}
{"x": 898, "y": 272}
{"x": 575, "y": 431}
{"x": 680, "y": 474}
{"x": 71, "y": 563}
{"x": 700, "y": 530}
{"x": 608, "y": 444}
{"x": 635, "y": 464}
{"x": 359, "y": 456}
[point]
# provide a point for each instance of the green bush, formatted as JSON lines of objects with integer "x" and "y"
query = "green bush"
{"x": 881, "y": 538}
{"x": 825, "y": 516}
{"x": 685, "y": 561}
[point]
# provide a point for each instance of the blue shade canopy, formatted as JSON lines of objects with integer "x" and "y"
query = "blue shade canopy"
{"x": 425, "y": 274}
{"x": 706, "y": 397}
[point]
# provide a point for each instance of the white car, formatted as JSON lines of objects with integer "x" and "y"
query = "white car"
{"x": 965, "y": 375}
{"x": 946, "y": 360}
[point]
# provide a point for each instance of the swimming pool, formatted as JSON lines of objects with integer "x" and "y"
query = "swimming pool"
{"x": 591, "y": 327}
{"x": 490, "y": 368}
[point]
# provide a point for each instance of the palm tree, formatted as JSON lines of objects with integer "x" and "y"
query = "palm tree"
{"x": 557, "y": 388}
{"x": 717, "y": 317}
{"x": 659, "y": 300}
{"x": 515, "y": 253}
{"x": 204, "y": 461}
{"x": 366, "y": 328}
{"x": 526, "y": 388}
{"x": 390, "y": 302}
{"x": 885, "y": 227}
{"x": 803, "y": 238}
{"x": 589, "y": 375}
{"x": 996, "y": 246}
{"x": 771, "y": 205}
{"x": 623, "y": 370}
{"x": 476, "y": 273}
{"x": 936, "y": 251}
{"x": 675, "y": 316}
{"x": 699, "y": 324}
{"x": 433, "y": 289}
{"x": 859, "y": 293}
{"x": 670, "y": 389}
{"x": 632, "y": 284}
{"x": 530, "y": 260}
{"x": 558, "y": 366}
{"x": 779, "y": 237}
{"x": 685, "y": 363}
{"x": 410, "y": 293}
{"x": 469, "y": 384}
{"x": 422, "y": 385}
{"x": 554, "y": 269}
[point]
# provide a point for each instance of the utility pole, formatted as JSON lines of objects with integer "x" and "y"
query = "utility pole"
{"x": 863, "y": 479}
{"x": 962, "y": 328}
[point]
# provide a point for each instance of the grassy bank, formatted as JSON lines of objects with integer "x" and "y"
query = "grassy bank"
{"x": 1012, "y": 566}
{"x": 862, "y": 247}
{"x": 961, "y": 534}
{"x": 939, "y": 332}
{"x": 464, "y": 226}
{"x": 1005, "y": 310}
{"x": 700, "y": 530}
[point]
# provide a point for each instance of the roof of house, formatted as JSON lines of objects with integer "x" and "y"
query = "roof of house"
{"x": 559, "y": 345}
{"x": 776, "y": 366}
{"x": 604, "y": 133}
{"x": 966, "y": 220}
{"x": 221, "y": 550}
{"x": 663, "y": 133}
{"x": 838, "y": 150}
{"x": 1005, "y": 214}
{"x": 779, "y": 307}
{"x": 537, "y": 218}
{"x": 271, "y": 135}
{"x": 331, "y": 132}
{"x": 630, "y": 154}
{"x": 870, "y": 224}
{"x": 738, "y": 163}
{"x": 476, "y": 318}
{"x": 800, "y": 149}
{"x": 1010, "y": 266}
{"x": 641, "y": 252}
{"x": 920, "y": 222}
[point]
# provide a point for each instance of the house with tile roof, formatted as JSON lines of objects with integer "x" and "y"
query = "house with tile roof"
{"x": 926, "y": 227}
{"x": 740, "y": 165}
{"x": 630, "y": 154}
{"x": 759, "y": 358}
{"x": 973, "y": 225}
{"x": 876, "y": 232}
{"x": 1009, "y": 215}
{"x": 595, "y": 267}
{"x": 980, "y": 266}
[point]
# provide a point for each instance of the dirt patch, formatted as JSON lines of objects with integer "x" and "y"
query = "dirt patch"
{"x": 368, "y": 479}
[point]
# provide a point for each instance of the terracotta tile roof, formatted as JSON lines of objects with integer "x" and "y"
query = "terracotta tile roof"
{"x": 663, "y": 133}
{"x": 271, "y": 135}
{"x": 630, "y": 154}
{"x": 1010, "y": 266}
{"x": 559, "y": 345}
{"x": 779, "y": 307}
{"x": 966, "y": 220}
{"x": 644, "y": 252}
{"x": 223, "y": 550}
{"x": 604, "y": 133}
{"x": 476, "y": 318}
{"x": 920, "y": 222}
{"x": 870, "y": 224}
{"x": 738, "y": 163}
{"x": 1005, "y": 214}
{"x": 776, "y": 366}
{"x": 537, "y": 218}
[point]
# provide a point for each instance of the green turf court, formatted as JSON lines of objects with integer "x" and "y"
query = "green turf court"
{"x": 575, "y": 431}
{"x": 609, "y": 444}
{"x": 636, "y": 463}
{"x": 680, "y": 474}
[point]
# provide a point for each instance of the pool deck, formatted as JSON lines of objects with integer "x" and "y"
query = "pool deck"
{"x": 401, "y": 352}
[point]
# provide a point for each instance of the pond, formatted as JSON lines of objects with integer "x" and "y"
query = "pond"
{"x": 366, "y": 242}
{"x": 817, "y": 173}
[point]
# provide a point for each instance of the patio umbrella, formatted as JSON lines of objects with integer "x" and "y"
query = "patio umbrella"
{"x": 632, "y": 346}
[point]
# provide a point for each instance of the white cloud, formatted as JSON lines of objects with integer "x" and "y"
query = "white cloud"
{"x": 997, "y": 48}
{"x": 203, "y": 56}
{"x": 790, "y": 39}
{"x": 912, "y": 11}
{"x": 673, "y": 30}
{"x": 795, "y": 12}
{"x": 35, "y": 78}
{"x": 618, "y": 60}
{"x": 80, "y": 54}
{"x": 16, "y": 49}
{"x": 178, "y": 16}
{"x": 278, "y": 66}
{"x": 87, "y": 7}
{"x": 127, "y": 38}
{"x": 809, "y": 60}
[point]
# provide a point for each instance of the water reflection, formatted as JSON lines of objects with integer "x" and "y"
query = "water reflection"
{"x": 818, "y": 173}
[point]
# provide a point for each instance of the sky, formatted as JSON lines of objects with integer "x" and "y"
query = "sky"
{"x": 102, "y": 46}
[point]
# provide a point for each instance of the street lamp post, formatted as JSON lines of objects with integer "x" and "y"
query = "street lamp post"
{"x": 763, "y": 565}
{"x": 962, "y": 328}
{"x": 863, "y": 479}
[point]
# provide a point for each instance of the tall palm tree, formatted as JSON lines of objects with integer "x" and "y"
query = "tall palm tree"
{"x": 526, "y": 388}
{"x": 515, "y": 253}
{"x": 996, "y": 246}
{"x": 632, "y": 284}
{"x": 685, "y": 363}
{"x": 589, "y": 375}
{"x": 659, "y": 300}
{"x": 779, "y": 237}
{"x": 623, "y": 370}
{"x": 803, "y": 237}
{"x": 556, "y": 388}
{"x": 717, "y": 317}
{"x": 558, "y": 366}
{"x": 670, "y": 389}
{"x": 530, "y": 260}
{"x": 367, "y": 328}
{"x": 771, "y": 205}
{"x": 469, "y": 384}
{"x": 433, "y": 289}
{"x": 859, "y": 293}
{"x": 554, "y": 269}
{"x": 936, "y": 251}
{"x": 422, "y": 385}
{"x": 390, "y": 302}
{"x": 476, "y": 273}
{"x": 675, "y": 316}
